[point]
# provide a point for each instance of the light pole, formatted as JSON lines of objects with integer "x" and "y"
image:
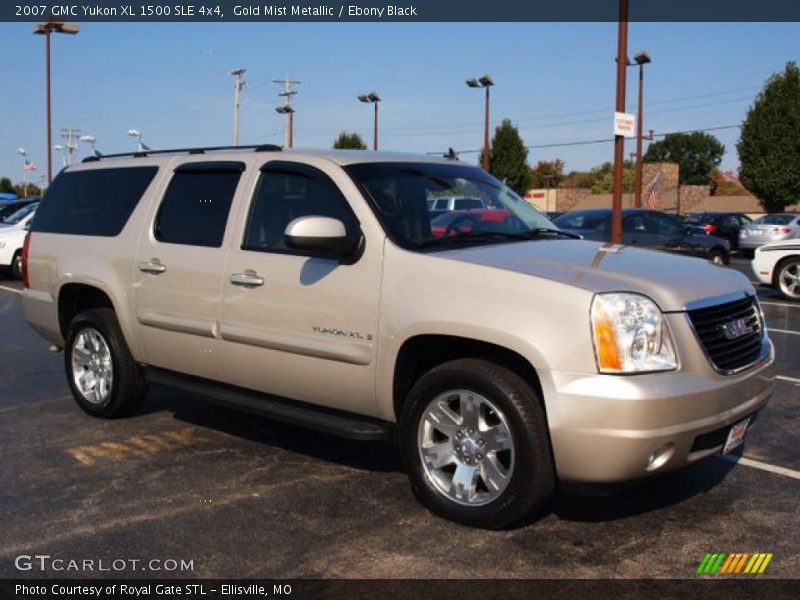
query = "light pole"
{"x": 46, "y": 29}
{"x": 62, "y": 149}
{"x": 287, "y": 110}
{"x": 24, "y": 171}
{"x": 372, "y": 98}
{"x": 238, "y": 84}
{"x": 91, "y": 140}
{"x": 137, "y": 135}
{"x": 641, "y": 59}
{"x": 484, "y": 82}
{"x": 619, "y": 140}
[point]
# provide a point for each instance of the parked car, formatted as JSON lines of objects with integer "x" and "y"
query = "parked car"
{"x": 438, "y": 206}
{"x": 463, "y": 221}
{"x": 647, "y": 229}
{"x": 778, "y": 265}
{"x": 769, "y": 228}
{"x": 12, "y": 238}
{"x": 310, "y": 288}
{"x": 721, "y": 224}
{"x": 8, "y": 207}
{"x": 552, "y": 214}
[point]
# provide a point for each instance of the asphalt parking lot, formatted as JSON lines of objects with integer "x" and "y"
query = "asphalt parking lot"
{"x": 241, "y": 496}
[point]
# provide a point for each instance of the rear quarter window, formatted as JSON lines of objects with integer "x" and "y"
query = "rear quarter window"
{"x": 96, "y": 202}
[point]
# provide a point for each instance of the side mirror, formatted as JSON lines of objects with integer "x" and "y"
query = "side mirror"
{"x": 320, "y": 235}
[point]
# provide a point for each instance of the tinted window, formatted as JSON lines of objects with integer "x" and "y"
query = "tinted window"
{"x": 664, "y": 225}
{"x": 196, "y": 206}
{"x": 468, "y": 203}
{"x": 285, "y": 193}
{"x": 442, "y": 204}
{"x": 633, "y": 223}
{"x": 582, "y": 221}
{"x": 96, "y": 202}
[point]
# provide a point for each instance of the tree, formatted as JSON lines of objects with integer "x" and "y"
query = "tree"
{"x": 509, "y": 158}
{"x": 697, "y": 154}
{"x": 604, "y": 177}
{"x": 30, "y": 190}
{"x": 6, "y": 187}
{"x": 349, "y": 141}
{"x": 768, "y": 149}
{"x": 547, "y": 174}
{"x": 725, "y": 184}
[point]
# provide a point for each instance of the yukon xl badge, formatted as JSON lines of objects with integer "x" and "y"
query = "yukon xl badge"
{"x": 736, "y": 329}
{"x": 342, "y": 332}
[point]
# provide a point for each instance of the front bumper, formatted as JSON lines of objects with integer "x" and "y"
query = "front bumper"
{"x": 605, "y": 428}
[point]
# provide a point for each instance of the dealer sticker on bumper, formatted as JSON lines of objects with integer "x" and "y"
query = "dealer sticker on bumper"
{"x": 736, "y": 435}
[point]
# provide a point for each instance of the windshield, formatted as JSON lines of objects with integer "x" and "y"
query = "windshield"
{"x": 20, "y": 214}
{"x": 400, "y": 193}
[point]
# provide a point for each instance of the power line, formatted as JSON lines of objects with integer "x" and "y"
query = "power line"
{"x": 606, "y": 140}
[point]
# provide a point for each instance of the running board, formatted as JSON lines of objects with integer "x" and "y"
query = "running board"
{"x": 324, "y": 420}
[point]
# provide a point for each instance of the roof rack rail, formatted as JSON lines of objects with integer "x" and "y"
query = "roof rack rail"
{"x": 198, "y": 150}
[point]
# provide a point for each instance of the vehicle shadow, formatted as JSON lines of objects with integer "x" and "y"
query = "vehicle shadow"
{"x": 675, "y": 487}
{"x": 365, "y": 456}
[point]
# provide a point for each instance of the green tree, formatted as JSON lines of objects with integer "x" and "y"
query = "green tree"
{"x": 349, "y": 141}
{"x": 604, "y": 177}
{"x": 547, "y": 174}
{"x": 6, "y": 187}
{"x": 769, "y": 152}
{"x": 697, "y": 155}
{"x": 509, "y": 158}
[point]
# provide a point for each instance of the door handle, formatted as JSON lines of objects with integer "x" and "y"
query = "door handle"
{"x": 152, "y": 266}
{"x": 247, "y": 279}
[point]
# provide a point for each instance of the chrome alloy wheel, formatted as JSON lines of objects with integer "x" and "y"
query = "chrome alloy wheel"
{"x": 466, "y": 447}
{"x": 92, "y": 368}
{"x": 789, "y": 280}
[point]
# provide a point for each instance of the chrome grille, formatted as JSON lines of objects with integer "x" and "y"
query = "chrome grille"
{"x": 731, "y": 333}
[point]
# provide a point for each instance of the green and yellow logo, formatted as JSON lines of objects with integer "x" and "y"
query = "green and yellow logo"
{"x": 721, "y": 563}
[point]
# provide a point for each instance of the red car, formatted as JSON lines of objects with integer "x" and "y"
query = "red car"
{"x": 463, "y": 221}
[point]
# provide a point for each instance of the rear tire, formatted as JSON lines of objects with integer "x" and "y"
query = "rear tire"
{"x": 16, "y": 265}
{"x": 718, "y": 257}
{"x": 102, "y": 375}
{"x": 477, "y": 423}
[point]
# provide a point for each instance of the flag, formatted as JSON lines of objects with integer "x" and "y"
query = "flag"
{"x": 651, "y": 197}
{"x": 29, "y": 166}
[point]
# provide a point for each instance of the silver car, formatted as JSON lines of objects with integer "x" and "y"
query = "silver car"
{"x": 769, "y": 228}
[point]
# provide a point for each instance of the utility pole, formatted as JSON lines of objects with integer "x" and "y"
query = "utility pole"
{"x": 619, "y": 140}
{"x": 47, "y": 29}
{"x": 70, "y": 145}
{"x": 287, "y": 94}
{"x": 238, "y": 84}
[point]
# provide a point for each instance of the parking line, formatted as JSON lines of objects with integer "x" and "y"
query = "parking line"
{"x": 8, "y": 289}
{"x": 789, "y": 331}
{"x": 790, "y": 379}
{"x": 779, "y": 304}
{"x": 757, "y": 464}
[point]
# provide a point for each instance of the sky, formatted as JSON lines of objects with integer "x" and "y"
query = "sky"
{"x": 555, "y": 81}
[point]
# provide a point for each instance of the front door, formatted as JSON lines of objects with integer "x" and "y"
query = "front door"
{"x": 297, "y": 325}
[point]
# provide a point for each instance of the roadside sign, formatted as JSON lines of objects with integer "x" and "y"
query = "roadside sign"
{"x": 624, "y": 124}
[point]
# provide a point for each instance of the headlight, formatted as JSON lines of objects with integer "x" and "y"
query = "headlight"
{"x": 630, "y": 335}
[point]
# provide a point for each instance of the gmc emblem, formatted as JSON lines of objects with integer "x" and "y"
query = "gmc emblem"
{"x": 736, "y": 329}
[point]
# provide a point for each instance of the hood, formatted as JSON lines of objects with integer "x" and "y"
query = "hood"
{"x": 671, "y": 280}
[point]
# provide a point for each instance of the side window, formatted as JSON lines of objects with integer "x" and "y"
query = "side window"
{"x": 286, "y": 192}
{"x": 633, "y": 223}
{"x": 442, "y": 203}
{"x": 92, "y": 201}
{"x": 468, "y": 204}
{"x": 195, "y": 207}
{"x": 664, "y": 225}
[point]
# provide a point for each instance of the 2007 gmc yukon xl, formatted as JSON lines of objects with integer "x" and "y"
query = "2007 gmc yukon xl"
{"x": 307, "y": 286}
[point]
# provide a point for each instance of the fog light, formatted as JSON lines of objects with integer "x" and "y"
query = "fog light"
{"x": 658, "y": 458}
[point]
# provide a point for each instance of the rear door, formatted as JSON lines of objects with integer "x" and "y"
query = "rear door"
{"x": 179, "y": 267}
{"x": 294, "y": 324}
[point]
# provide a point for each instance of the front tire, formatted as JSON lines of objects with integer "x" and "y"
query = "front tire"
{"x": 787, "y": 278}
{"x": 476, "y": 445}
{"x": 102, "y": 375}
{"x": 16, "y": 265}
{"x": 718, "y": 257}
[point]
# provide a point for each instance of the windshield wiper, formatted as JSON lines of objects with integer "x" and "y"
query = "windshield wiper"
{"x": 536, "y": 232}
